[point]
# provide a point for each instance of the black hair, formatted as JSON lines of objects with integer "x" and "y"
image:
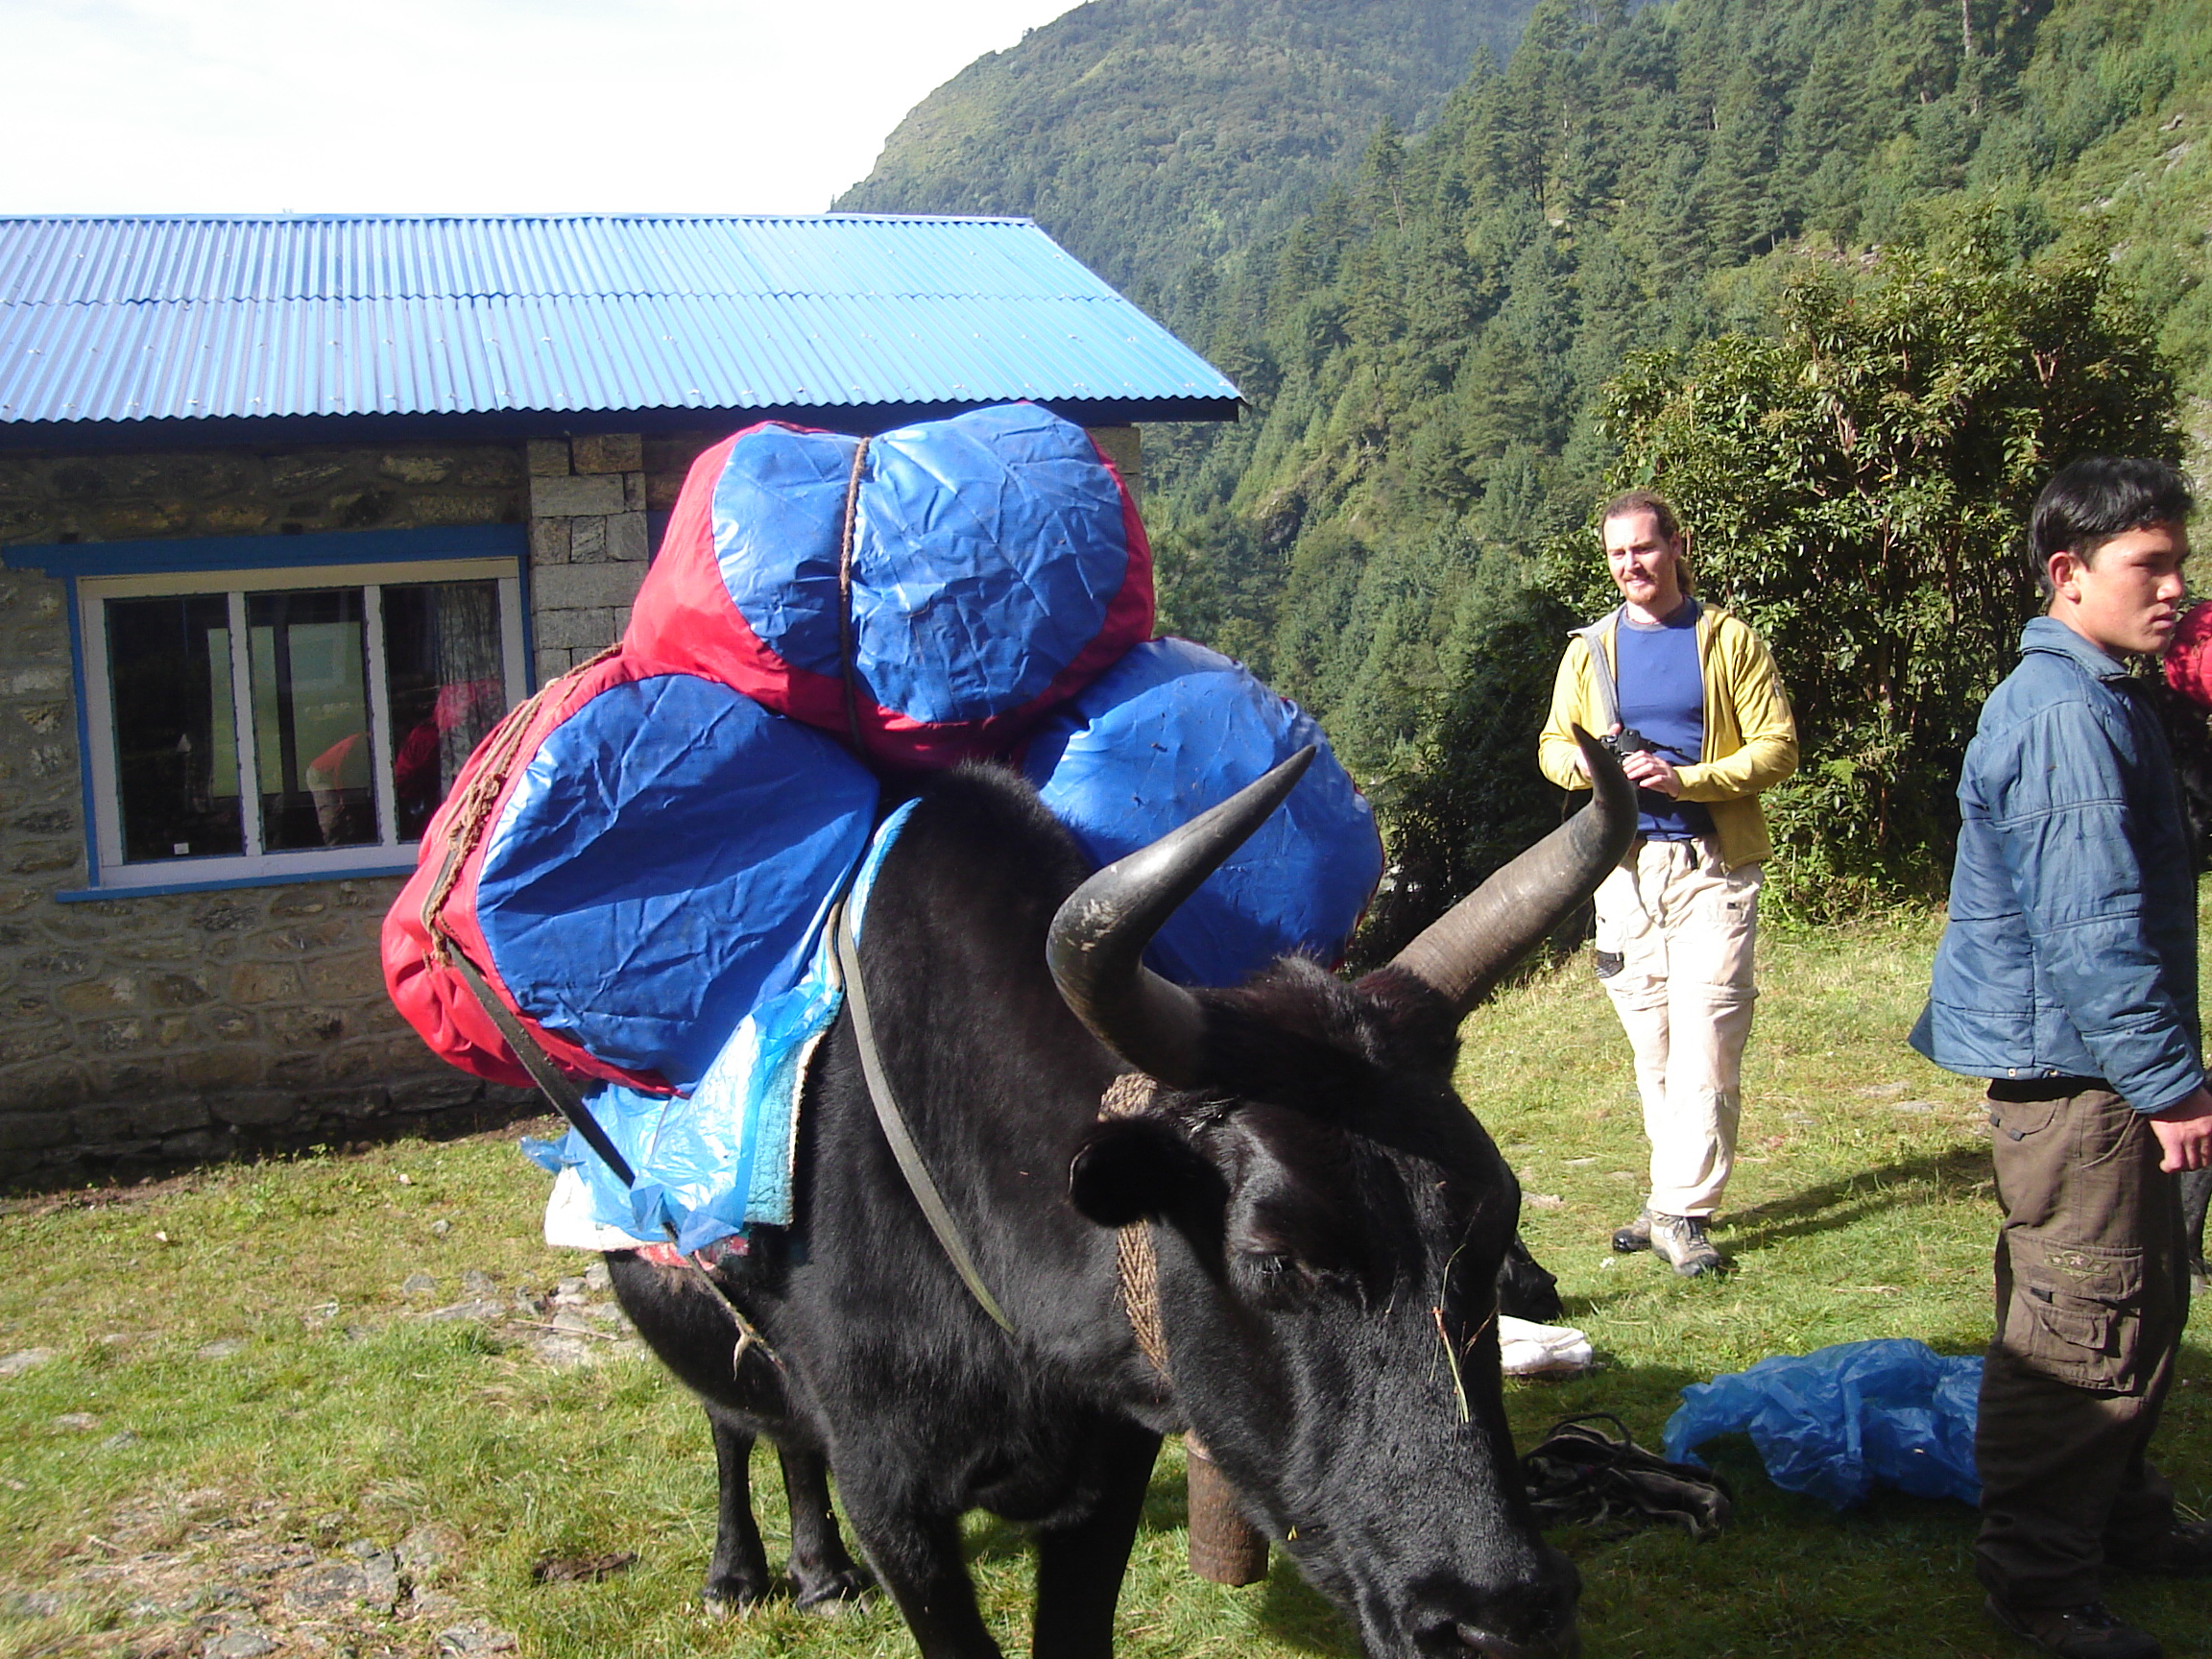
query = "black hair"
{"x": 2089, "y": 501}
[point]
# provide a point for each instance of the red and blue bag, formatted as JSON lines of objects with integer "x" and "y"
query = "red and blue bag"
{"x": 632, "y": 860}
{"x": 927, "y": 595}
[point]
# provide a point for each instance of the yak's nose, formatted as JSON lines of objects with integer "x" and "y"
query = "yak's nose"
{"x": 1565, "y": 1645}
{"x": 1532, "y": 1618}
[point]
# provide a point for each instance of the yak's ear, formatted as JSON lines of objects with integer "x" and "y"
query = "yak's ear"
{"x": 1135, "y": 1169}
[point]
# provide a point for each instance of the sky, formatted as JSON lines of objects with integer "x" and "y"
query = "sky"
{"x": 468, "y": 105}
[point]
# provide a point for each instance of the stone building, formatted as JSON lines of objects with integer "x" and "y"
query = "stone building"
{"x": 292, "y": 508}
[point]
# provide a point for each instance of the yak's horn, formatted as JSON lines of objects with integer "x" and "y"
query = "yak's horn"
{"x": 1098, "y": 937}
{"x": 1476, "y": 943}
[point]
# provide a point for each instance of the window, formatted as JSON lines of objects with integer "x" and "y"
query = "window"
{"x": 260, "y": 723}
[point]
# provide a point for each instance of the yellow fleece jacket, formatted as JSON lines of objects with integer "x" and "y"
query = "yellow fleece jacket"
{"x": 1750, "y": 735}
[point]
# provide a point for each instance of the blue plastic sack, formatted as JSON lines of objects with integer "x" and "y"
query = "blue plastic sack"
{"x": 1172, "y": 728}
{"x": 661, "y": 867}
{"x": 998, "y": 565}
{"x": 1834, "y": 1422}
{"x": 723, "y": 1159}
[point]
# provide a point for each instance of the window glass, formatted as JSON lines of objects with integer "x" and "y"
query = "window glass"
{"x": 309, "y": 676}
{"x": 441, "y": 659}
{"x": 291, "y": 720}
{"x": 175, "y": 737}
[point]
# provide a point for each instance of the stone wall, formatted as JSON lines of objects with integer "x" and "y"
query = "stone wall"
{"x": 587, "y": 544}
{"x": 141, "y": 1032}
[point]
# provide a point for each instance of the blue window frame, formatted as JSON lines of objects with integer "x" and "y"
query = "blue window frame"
{"x": 281, "y": 709}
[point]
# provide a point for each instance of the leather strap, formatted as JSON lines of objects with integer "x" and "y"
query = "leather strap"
{"x": 551, "y": 1080}
{"x": 895, "y": 1130}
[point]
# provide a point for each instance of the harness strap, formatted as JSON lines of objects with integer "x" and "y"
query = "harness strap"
{"x": 895, "y": 1132}
{"x": 554, "y": 1083}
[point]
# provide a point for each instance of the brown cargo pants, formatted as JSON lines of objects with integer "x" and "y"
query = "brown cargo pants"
{"x": 2091, "y": 1297}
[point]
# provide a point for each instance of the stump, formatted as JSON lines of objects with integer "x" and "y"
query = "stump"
{"x": 1225, "y": 1547}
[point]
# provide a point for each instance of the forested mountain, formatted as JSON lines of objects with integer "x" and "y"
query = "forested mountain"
{"x": 1427, "y": 351}
{"x": 1144, "y": 133}
{"x": 1848, "y": 276}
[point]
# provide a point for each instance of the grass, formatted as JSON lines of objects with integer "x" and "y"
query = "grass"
{"x": 157, "y": 1497}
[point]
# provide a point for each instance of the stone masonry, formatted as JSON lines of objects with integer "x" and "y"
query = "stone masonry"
{"x": 145, "y": 1031}
{"x": 587, "y": 544}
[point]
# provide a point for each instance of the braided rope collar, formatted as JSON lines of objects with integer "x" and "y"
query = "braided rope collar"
{"x": 1130, "y": 1095}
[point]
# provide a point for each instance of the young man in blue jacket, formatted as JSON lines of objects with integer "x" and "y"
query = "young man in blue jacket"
{"x": 2067, "y": 976}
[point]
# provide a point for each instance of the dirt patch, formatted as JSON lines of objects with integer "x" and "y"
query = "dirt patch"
{"x": 198, "y": 1576}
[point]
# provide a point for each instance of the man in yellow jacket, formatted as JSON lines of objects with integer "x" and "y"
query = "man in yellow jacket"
{"x": 1702, "y": 725}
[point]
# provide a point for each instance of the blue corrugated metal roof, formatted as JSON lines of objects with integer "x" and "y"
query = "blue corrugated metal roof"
{"x": 199, "y": 318}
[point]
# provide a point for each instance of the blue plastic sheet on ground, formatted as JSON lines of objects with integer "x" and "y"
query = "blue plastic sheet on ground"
{"x": 710, "y": 1165}
{"x": 1834, "y": 1422}
{"x": 1172, "y": 728}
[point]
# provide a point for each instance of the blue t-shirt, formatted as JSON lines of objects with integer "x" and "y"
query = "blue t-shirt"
{"x": 1662, "y": 696}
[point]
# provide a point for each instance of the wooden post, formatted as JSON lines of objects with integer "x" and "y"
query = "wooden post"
{"x": 1225, "y": 1547}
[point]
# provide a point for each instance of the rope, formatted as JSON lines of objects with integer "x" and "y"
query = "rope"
{"x": 472, "y": 810}
{"x": 845, "y": 652}
{"x": 748, "y": 1337}
{"x": 1129, "y": 1095}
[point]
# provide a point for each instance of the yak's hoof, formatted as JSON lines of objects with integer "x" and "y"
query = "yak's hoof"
{"x": 831, "y": 1592}
{"x": 727, "y": 1597}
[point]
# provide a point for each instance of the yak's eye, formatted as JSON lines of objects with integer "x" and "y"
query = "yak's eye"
{"x": 1277, "y": 1281}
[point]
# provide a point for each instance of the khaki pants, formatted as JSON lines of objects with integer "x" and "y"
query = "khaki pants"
{"x": 1675, "y": 930}
{"x": 2091, "y": 1297}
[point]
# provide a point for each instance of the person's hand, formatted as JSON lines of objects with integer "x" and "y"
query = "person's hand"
{"x": 2184, "y": 1131}
{"x": 1583, "y": 766}
{"x": 1654, "y": 772}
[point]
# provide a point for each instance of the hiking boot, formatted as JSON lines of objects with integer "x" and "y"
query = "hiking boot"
{"x": 2088, "y": 1631}
{"x": 1680, "y": 1239}
{"x": 2184, "y": 1550}
{"x": 1636, "y": 1236}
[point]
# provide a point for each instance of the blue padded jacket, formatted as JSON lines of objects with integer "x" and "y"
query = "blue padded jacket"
{"x": 2071, "y": 949}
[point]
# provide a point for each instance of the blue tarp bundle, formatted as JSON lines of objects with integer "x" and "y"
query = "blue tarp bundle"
{"x": 722, "y": 1160}
{"x": 1173, "y": 729}
{"x": 662, "y": 865}
{"x": 1834, "y": 1422}
{"x": 928, "y": 596}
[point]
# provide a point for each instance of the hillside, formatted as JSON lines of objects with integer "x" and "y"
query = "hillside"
{"x": 1428, "y": 352}
{"x": 1147, "y": 134}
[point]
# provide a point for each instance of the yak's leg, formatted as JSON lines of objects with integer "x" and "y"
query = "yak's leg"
{"x": 916, "y": 1555}
{"x": 1079, "y": 1568}
{"x": 2195, "y": 1190}
{"x": 822, "y": 1573}
{"x": 738, "y": 1575}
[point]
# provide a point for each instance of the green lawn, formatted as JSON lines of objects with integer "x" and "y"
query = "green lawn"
{"x": 162, "y": 1497}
